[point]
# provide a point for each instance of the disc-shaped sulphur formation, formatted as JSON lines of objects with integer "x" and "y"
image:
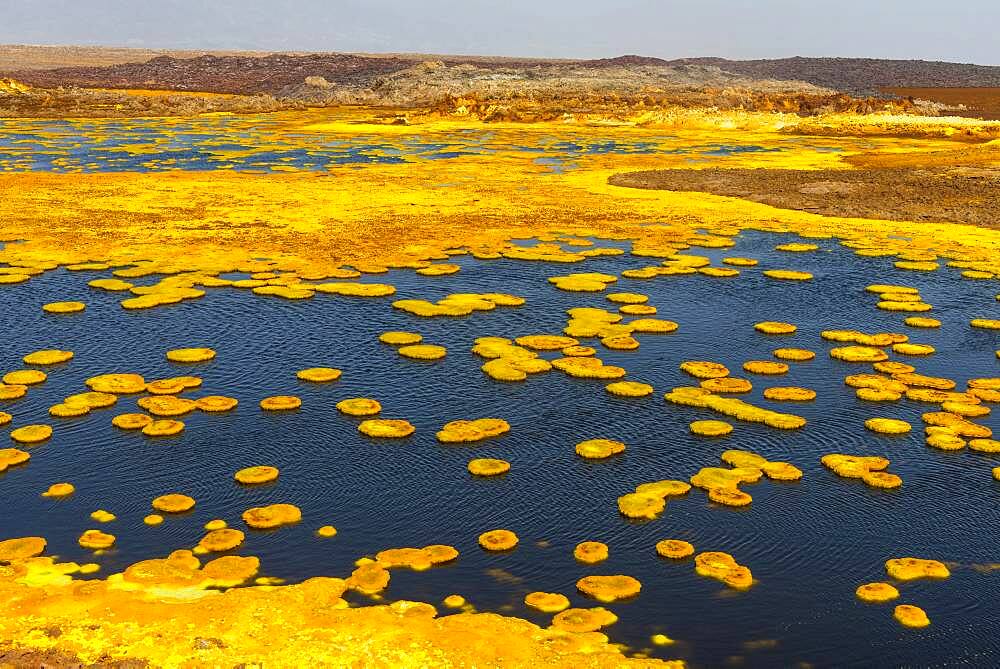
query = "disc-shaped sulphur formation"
{"x": 59, "y": 490}
{"x": 64, "y": 307}
{"x": 190, "y": 354}
{"x": 216, "y": 403}
{"x": 280, "y": 403}
{"x": 118, "y": 384}
{"x": 488, "y": 467}
{"x": 22, "y": 548}
{"x": 591, "y": 552}
{"x": 704, "y": 369}
{"x": 639, "y": 505}
{"x": 24, "y": 377}
{"x": 386, "y": 428}
{"x": 711, "y": 428}
{"x": 418, "y": 559}
{"x": 627, "y": 298}
{"x": 787, "y": 275}
{"x": 397, "y": 338}
{"x": 10, "y": 457}
{"x": 256, "y": 474}
{"x": 68, "y": 410}
{"x": 888, "y": 425}
{"x": 110, "y": 284}
{"x": 723, "y": 567}
{"x": 31, "y": 434}
{"x": 219, "y": 541}
{"x": 423, "y": 351}
{"x": 319, "y": 374}
{"x": 922, "y": 322}
{"x": 796, "y": 247}
{"x": 859, "y": 354}
{"x": 598, "y": 449}
{"x": 173, "y": 503}
{"x": 454, "y": 601}
{"x": 167, "y": 405}
{"x": 545, "y": 342}
{"x": 96, "y": 540}
{"x": 910, "y": 568}
{"x": 637, "y": 309}
{"x": 546, "y": 602}
{"x": 876, "y": 592}
{"x": 12, "y": 392}
{"x": 153, "y": 519}
{"x": 911, "y": 616}
{"x": 583, "y": 620}
{"x": 913, "y": 349}
{"x": 163, "y": 428}
{"x": 794, "y": 354}
{"x": 131, "y": 421}
{"x": 609, "y": 588}
{"x": 674, "y": 548}
{"x": 458, "y": 431}
{"x": 765, "y": 367}
{"x": 775, "y": 327}
{"x": 359, "y": 406}
{"x": 48, "y": 357}
{"x": 629, "y": 389}
{"x": 498, "y": 540}
{"x": 273, "y": 515}
{"x": 103, "y": 516}
{"x": 327, "y": 531}
{"x": 652, "y": 326}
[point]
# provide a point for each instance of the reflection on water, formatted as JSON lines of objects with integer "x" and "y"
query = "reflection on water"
{"x": 809, "y": 543}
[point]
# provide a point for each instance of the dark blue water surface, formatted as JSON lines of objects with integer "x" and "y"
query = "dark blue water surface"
{"x": 809, "y": 543}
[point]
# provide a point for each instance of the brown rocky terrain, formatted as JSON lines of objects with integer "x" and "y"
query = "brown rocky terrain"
{"x": 955, "y": 193}
{"x": 18, "y": 100}
{"x": 859, "y": 76}
{"x": 976, "y": 102}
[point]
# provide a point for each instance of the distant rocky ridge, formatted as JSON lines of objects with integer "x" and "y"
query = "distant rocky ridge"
{"x": 487, "y": 87}
{"x": 250, "y": 73}
{"x": 430, "y": 82}
{"x": 860, "y": 76}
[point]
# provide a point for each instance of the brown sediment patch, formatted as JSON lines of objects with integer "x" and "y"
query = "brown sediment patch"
{"x": 957, "y": 194}
{"x": 981, "y": 103}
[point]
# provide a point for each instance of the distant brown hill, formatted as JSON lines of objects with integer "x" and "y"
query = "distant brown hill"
{"x": 256, "y": 73}
{"x": 249, "y": 74}
{"x": 860, "y": 76}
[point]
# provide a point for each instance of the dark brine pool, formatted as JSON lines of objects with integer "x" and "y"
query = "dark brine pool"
{"x": 809, "y": 543}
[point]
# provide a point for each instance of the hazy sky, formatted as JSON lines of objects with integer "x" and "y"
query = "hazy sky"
{"x": 959, "y": 30}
